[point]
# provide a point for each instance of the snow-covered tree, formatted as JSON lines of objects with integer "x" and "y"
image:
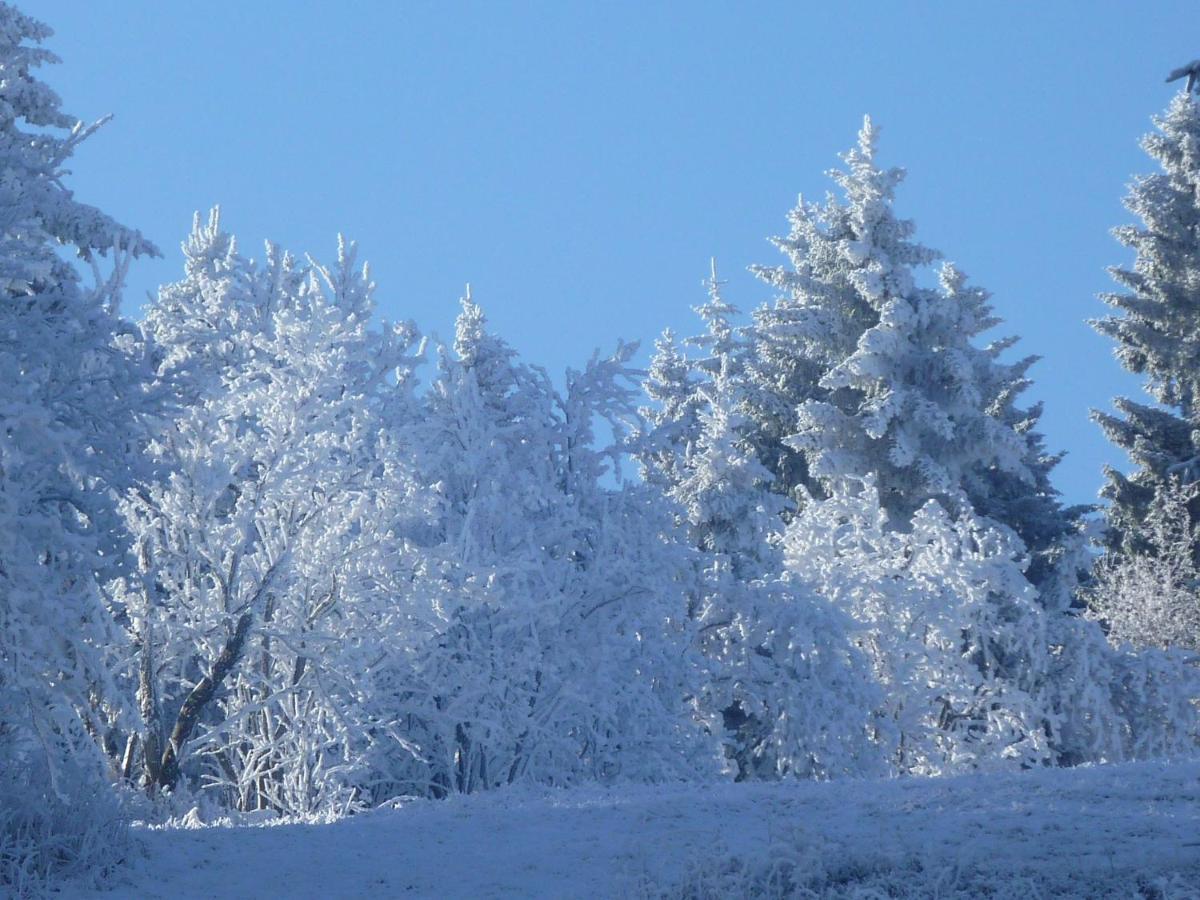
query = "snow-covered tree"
{"x": 270, "y": 543}
{"x": 860, "y": 370}
{"x": 70, "y": 383}
{"x": 561, "y": 646}
{"x": 1156, "y": 329}
{"x": 953, "y": 629}
{"x": 1152, "y": 599}
{"x": 845, "y": 257}
{"x": 679, "y": 384}
{"x": 793, "y": 696}
{"x": 1146, "y": 589}
{"x": 976, "y": 672}
{"x": 672, "y": 421}
{"x": 724, "y": 345}
{"x": 1115, "y": 703}
{"x": 724, "y": 489}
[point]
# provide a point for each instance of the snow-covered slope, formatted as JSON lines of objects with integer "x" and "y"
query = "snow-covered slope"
{"x": 1128, "y": 830}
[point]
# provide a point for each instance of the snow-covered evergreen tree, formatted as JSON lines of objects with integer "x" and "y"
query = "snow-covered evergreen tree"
{"x": 1146, "y": 590}
{"x": 679, "y": 384}
{"x": 724, "y": 489}
{"x": 860, "y": 370}
{"x": 672, "y": 421}
{"x": 694, "y": 447}
{"x": 1156, "y": 328}
{"x": 269, "y": 543}
{"x": 793, "y": 696}
{"x": 845, "y": 257}
{"x": 724, "y": 344}
{"x": 70, "y": 384}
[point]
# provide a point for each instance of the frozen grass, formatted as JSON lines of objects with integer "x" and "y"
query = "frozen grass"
{"x": 1111, "y": 831}
{"x": 46, "y": 839}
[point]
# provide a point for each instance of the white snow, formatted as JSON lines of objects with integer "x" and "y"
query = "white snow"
{"x": 1121, "y": 830}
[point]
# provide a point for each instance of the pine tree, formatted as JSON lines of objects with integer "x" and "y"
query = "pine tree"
{"x": 70, "y": 391}
{"x": 1156, "y": 329}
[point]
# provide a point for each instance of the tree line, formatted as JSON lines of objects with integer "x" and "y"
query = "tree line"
{"x": 262, "y": 551}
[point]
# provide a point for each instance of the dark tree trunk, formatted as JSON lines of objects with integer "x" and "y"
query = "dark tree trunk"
{"x": 198, "y": 699}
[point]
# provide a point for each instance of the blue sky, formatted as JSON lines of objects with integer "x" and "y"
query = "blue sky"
{"x": 580, "y": 163}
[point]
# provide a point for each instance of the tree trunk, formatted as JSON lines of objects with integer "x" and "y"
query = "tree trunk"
{"x": 148, "y": 706}
{"x": 202, "y": 693}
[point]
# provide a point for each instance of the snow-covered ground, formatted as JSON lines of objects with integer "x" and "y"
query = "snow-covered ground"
{"x": 1128, "y": 830}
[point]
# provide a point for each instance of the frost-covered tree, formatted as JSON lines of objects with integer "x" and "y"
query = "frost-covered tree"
{"x": 560, "y": 650}
{"x": 1122, "y": 702}
{"x": 845, "y": 256}
{"x": 977, "y": 673}
{"x": 793, "y": 696}
{"x": 858, "y": 369}
{"x": 1156, "y": 328}
{"x": 1152, "y": 599}
{"x": 952, "y": 627}
{"x": 694, "y": 444}
{"x": 724, "y": 489}
{"x": 672, "y": 420}
{"x": 679, "y": 384}
{"x": 268, "y": 543}
{"x": 70, "y": 383}
{"x": 723, "y": 344}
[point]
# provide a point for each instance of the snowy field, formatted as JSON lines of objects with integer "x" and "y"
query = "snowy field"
{"x": 1114, "y": 831}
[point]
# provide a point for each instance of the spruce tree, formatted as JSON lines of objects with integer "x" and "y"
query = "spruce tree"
{"x": 672, "y": 422}
{"x": 793, "y": 696}
{"x": 681, "y": 383}
{"x": 1156, "y": 328}
{"x": 859, "y": 369}
{"x": 843, "y": 254}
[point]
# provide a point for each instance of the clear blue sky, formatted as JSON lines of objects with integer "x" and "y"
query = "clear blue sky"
{"x": 580, "y": 163}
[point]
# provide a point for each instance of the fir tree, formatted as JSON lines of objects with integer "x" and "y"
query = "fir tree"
{"x": 680, "y": 384}
{"x": 694, "y": 446}
{"x": 672, "y": 422}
